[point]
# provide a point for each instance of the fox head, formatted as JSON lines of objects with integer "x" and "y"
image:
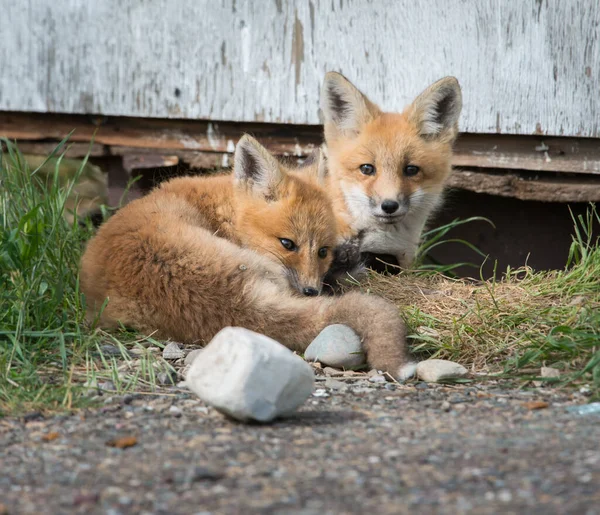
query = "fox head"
{"x": 389, "y": 165}
{"x": 284, "y": 216}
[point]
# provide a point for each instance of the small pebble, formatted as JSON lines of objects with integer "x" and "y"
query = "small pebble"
{"x": 107, "y": 386}
{"x": 206, "y": 473}
{"x": 585, "y": 390}
{"x": 549, "y": 372}
{"x": 333, "y": 372}
{"x": 175, "y": 411}
{"x": 166, "y": 378}
{"x": 334, "y": 384}
{"x": 173, "y": 351}
{"x": 435, "y": 370}
{"x": 377, "y": 379}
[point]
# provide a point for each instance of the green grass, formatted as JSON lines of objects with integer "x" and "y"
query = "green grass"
{"x": 48, "y": 353}
{"x": 46, "y": 350}
{"x": 514, "y": 325}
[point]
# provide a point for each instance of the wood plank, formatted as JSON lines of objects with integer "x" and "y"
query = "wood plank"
{"x": 192, "y": 138}
{"x": 141, "y": 161}
{"x": 205, "y": 160}
{"x": 160, "y": 134}
{"x": 576, "y": 155}
{"x": 546, "y": 189}
{"x": 525, "y": 67}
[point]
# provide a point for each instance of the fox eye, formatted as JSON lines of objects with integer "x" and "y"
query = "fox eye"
{"x": 367, "y": 169}
{"x": 288, "y": 244}
{"x": 323, "y": 252}
{"x": 411, "y": 170}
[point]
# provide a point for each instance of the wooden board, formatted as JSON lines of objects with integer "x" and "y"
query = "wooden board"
{"x": 545, "y": 188}
{"x": 526, "y": 67}
{"x": 191, "y": 140}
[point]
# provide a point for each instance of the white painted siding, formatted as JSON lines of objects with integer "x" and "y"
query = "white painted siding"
{"x": 526, "y": 66}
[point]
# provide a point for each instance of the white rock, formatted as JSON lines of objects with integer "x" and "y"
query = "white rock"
{"x": 377, "y": 379}
{"x": 549, "y": 372}
{"x": 337, "y": 346}
{"x": 189, "y": 359}
{"x": 434, "y": 370}
{"x": 172, "y": 351}
{"x": 249, "y": 376}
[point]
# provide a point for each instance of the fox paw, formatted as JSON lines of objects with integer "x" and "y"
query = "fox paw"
{"x": 406, "y": 371}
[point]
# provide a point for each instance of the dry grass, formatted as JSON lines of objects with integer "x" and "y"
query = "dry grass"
{"x": 490, "y": 325}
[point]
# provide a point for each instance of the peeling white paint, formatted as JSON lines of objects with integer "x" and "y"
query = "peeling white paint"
{"x": 525, "y": 67}
{"x": 246, "y": 42}
{"x": 230, "y": 146}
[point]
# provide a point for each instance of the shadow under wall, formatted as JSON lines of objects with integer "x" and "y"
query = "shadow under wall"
{"x": 538, "y": 234}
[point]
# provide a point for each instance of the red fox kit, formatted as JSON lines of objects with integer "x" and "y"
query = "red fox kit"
{"x": 244, "y": 249}
{"x": 386, "y": 171}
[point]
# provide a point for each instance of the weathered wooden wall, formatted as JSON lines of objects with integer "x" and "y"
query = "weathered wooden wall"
{"x": 526, "y": 66}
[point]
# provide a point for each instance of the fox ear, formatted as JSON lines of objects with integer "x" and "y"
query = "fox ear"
{"x": 435, "y": 111}
{"x": 345, "y": 109}
{"x": 255, "y": 169}
{"x": 315, "y": 165}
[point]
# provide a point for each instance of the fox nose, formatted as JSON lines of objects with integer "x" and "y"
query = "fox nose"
{"x": 310, "y": 292}
{"x": 389, "y": 206}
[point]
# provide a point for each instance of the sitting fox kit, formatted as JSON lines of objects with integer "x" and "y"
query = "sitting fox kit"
{"x": 386, "y": 171}
{"x": 246, "y": 249}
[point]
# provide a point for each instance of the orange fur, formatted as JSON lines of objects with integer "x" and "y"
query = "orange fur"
{"x": 357, "y": 132}
{"x": 200, "y": 254}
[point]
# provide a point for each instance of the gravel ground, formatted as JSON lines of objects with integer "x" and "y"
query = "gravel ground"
{"x": 355, "y": 447}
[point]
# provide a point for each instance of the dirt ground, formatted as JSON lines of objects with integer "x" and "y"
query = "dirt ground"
{"x": 355, "y": 447}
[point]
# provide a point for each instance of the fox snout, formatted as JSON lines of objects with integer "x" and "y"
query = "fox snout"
{"x": 307, "y": 286}
{"x": 390, "y": 209}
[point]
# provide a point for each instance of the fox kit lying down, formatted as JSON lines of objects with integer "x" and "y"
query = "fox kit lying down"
{"x": 246, "y": 249}
{"x": 386, "y": 171}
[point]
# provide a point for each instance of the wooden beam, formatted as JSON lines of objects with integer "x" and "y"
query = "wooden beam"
{"x": 535, "y": 153}
{"x": 546, "y": 188}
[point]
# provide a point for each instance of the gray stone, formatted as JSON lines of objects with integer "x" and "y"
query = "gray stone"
{"x": 337, "y": 346}
{"x": 334, "y": 384}
{"x": 378, "y": 378}
{"x": 249, "y": 376}
{"x": 166, "y": 378}
{"x": 172, "y": 351}
{"x": 333, "y": 372}
{"x": 189, "y": 359}
{"x": 435, "y": 370}
{"x": 175, "y": 411}
{"x": 549, "y": 372}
